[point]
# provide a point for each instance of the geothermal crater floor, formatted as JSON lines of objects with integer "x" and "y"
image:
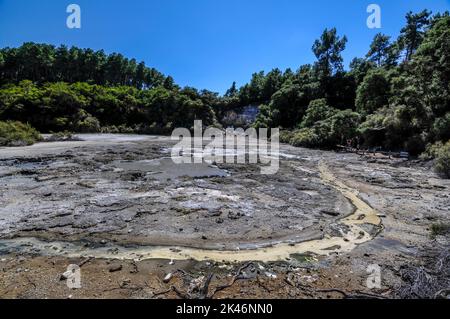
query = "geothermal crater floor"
{"x": 120, "y": 197}
{"x": 129, "y": 192}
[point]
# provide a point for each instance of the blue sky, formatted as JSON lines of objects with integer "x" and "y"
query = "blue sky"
{"x": 205, "y": 43}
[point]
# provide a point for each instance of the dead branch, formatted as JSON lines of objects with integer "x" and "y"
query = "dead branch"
{"x": 181, "y": 294}
{"x": 235, "y": 278}
{"x": 205, "y": 288}
{"x": 165, "y": 292}
{"x": 85, "y": 261}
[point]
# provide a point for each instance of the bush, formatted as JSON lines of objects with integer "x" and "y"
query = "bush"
{"x": 441, "y": 127}
{"x": 64, "y": 136}
{"x": 329, "y": 132}
{"x": 318, "y": 110}
{"x": 440, "y": 152}
{"x": 17, "y": 134}
{"x": 344, "y": 125}
{"x": 306, "y": 137}
{"x": 286, "y": 136}
{"x": 440, "y": 229}
{"x": 89, "y": 125}
{"x": 442, "y": 165}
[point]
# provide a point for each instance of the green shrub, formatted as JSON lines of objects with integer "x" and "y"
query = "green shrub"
{"x": 440, "y": 152}
{"x": 306, "y": 137}
{"x": 318, "y": 110}
{"x": 344, "y": 125}
{"x": 441, "y": 127}
{"x": 63, "y": 136}
{"x": 329, "y": 132}
{"x": 17, "y": 134}
{"x": 286, "y": 136}
{"x": 442, "y": 165}
{"x": 431, "y": 151}
{"x": 440, "y": 229}
{"x": 89, "y": 125}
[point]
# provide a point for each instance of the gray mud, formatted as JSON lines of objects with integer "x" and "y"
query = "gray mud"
{"x": 118, "y": 206}
{"x": 125, "y": 189}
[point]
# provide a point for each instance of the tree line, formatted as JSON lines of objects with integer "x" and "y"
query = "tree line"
{"x": 397, "y": 97}
{"x": 42, "y": 63}
{"x": 89, "y": 108}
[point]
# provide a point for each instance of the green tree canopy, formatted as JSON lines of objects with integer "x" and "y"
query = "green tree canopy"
{"x": 382, "y": 52}
{"x": 411, "y": 36}
{"x": 328, "y": 51}
{"x": 373, "y": 93}
{"x": 318, "y": 110}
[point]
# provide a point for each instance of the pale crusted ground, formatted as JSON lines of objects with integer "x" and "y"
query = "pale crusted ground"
{"x": 103, "y": 195}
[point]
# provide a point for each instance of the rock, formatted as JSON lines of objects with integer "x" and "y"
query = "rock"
{"x": 234, "y": 216}
{"x": 334, "y": 214}
{"x": 66, "y": 275}
{"x": 115, "y": 268}
{"x": 271, "y": 275}
{"x": 125, "y": 283}
{"x": 168, "y": 278}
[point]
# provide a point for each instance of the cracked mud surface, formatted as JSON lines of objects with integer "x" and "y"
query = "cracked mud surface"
{"x": 133, "y": 193}
{"x": 114, "y": 197}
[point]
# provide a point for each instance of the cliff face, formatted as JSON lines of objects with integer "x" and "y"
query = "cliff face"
{"x": 250, "y": 113}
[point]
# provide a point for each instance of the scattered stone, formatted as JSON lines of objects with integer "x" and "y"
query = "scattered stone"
{"x": 115, "y": 268}
{"x": 271, "y": 275}
{"x": 168, "y": 278}
{"x": 334, "y": 214}
{"x": 66, "y": 275}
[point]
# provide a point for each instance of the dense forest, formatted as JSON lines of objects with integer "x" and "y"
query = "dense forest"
{"x": 397, "y": 97}
{"x": 81, "y": 90}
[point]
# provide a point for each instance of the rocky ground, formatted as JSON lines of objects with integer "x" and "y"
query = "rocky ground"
{"x": 140, "y": 226}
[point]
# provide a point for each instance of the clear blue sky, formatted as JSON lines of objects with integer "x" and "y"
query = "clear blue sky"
{"x": 205, "y": 43}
